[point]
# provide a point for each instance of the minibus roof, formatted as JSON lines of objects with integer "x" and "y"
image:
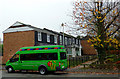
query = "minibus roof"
{"x": 46, "y": 46}
{"x": 40, "y": 48}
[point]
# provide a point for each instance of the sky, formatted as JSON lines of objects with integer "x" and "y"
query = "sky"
{"x": 48, "y": 14}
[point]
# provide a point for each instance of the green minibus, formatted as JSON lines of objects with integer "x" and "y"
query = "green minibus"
{"x": 39, "y": 58}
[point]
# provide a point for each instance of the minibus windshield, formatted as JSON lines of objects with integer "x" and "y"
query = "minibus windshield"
{"x": 15, "y": 58}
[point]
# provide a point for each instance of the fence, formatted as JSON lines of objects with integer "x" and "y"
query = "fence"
{"x": 110, "y": 62}
{"x": 75, "y": 61}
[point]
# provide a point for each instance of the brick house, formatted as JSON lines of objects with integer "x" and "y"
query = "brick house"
{"x": 21, "y": 35}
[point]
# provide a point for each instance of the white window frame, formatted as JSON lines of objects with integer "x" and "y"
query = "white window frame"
{"x": 79, "y": 42}
{"x": 39, "y": 36}
{"x": 60, "y": 39}
{"x": 73, "y": 40}
{"x": 48, "y": 38}
{"x": 70, "y": 41}
{"x": 65, "y": 40}
{"x": 55, "y": 39}
{"x": 76, "y": 41}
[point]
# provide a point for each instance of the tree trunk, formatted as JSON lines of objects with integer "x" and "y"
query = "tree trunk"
{"x": 101, "y": 55}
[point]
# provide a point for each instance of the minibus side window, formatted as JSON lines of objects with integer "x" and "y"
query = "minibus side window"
{"x": 15, "y": 58}
{"x": 62, "y": 55}
{"x": 39, "y": 56}
{"x": 53, "y": 56}
{"x": 28, "y": 56}
{"x": 48, "y": 56}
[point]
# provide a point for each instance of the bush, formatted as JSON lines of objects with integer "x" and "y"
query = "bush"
{"x": 109, "y": 61}
{"x": 112, "y": 59}
{"x": 112, "y": 62}
{"x": 118, "y": 62}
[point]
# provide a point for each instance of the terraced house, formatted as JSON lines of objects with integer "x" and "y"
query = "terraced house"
{"x": 21, "y": 35}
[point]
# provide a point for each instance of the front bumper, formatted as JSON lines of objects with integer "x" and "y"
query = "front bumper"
{"x": 6, "y": 67}
{"x": 59, "y": 69}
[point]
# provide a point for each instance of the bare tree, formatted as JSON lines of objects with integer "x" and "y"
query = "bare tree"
{"x": 100, "y": 20}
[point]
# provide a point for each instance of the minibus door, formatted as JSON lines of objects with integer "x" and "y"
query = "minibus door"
{"x": 27, "y": 65}
{"x": 25, "y": 62}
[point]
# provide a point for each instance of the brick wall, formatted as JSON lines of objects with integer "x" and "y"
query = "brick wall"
{"x": 14, "y": 41}
{"x": 87, "y": 48}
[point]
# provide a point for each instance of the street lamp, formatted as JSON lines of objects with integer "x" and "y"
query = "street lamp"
{"x": 63, "y": 32}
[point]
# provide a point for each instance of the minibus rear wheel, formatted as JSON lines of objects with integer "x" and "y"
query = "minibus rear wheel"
{"x": 43, "y": 71}
{"x": 10, "y": 69}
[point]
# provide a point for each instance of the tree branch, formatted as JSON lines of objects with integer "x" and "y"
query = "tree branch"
{"x": 114, "y": 32}
{"x": 111, "y": 22}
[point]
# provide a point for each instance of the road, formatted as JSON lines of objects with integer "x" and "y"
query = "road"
{"x": 57, "y": 75}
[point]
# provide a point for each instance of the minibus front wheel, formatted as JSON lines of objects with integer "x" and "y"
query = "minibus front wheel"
{"x": 43, "y": 71}
{"x": 10, "y": 69}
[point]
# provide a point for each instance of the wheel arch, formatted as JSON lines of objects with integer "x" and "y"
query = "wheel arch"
{"x": 9, "y": 66}
{"x": 42, "y": 66}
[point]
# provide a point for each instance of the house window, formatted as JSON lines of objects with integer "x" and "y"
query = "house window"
{"x": 73, "y": 40}
{"x": 39, "y": 36}
{"x": 48, "y": 38}
{"x": 60, "y": 39}
{"x": 79, "y": 42}
{"x": 70, "y": 41}
{"x": 55, "y": 39}
{"x": 76, "y": 41}
{"x": 65, "y": 40}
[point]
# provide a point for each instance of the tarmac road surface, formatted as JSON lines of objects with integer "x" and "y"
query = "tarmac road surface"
{"x": 58, "y": 75}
